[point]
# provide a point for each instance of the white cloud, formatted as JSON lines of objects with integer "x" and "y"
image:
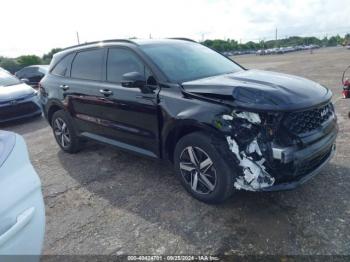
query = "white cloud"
{"x": 37, "y": 26}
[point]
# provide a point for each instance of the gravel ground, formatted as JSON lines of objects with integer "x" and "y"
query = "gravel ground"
{"x": 105, "y": 201}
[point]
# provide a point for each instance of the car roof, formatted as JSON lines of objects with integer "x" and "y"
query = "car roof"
{"x": 135, "y": 42}
{"x": 111, "y": 42}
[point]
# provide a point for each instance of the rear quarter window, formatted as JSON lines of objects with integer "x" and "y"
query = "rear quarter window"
{"x": 62, "y": 67}
{"x": 88, "y": 65}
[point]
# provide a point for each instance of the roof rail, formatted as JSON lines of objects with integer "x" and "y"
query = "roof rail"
{"x": 183, "y": 38}
{"x": 103, "y": 41}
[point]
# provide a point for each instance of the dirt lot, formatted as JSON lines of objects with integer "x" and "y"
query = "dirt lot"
{"x": 104, "y": 201}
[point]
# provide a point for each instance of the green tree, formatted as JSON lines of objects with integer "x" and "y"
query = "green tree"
{"x": 27, "y": 60}
{"x": 333, "y": 41}
{"x": 9, "y": 64}
{"x": 47, "y": 57}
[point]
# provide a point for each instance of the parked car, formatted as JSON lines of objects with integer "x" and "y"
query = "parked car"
{"x": 222, "y": 126}
{"x": 260, "y": 52}
{"x": 4, "y": 70}
{"x": 22, "y": 211}
{"x": 32, "y": 75}
{"x": 17, "y": 99}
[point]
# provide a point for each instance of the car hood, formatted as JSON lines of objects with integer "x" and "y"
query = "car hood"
{"x": 15, "y": 91}
{"x": 261, "y": 90}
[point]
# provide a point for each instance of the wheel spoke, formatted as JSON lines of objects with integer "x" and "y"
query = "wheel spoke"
{"x": 194, "y": 181}
{"x": 186, "y": 166}
{"x": 192, "y": 155}
{"x": 66, "y": 138}
{"x": 58, "y": 132}
{"x": 63, "y": 143}
{"x": 205, "y": 165}
{"x": 58, "y": 124}
{"x": 64, "y": 127}
{"x": 206, "y": 182}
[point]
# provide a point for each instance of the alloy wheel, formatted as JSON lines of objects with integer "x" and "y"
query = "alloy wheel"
{"x": 197, "y": 170}
{"x": 61, "y": 132}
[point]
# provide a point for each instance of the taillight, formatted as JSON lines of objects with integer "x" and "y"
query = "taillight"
{"x": 41, "y": 89}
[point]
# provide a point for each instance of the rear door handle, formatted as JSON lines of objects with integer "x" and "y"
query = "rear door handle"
{"x": 22, "y": 220}
{"x": 64, "y": 87}
{"x": 106, "y": 92}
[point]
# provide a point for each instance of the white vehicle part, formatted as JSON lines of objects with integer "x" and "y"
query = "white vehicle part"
{"x": 255, "y": 176}
{"x": 251, "y": 117}
{"x": 22, "y": 211}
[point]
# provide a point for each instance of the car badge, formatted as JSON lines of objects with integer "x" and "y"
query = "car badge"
{"x": 13, "y": 102}
{"x": 324, "y": 112}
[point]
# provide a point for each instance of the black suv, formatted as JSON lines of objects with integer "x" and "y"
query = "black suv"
{"x": 222, "y": 126}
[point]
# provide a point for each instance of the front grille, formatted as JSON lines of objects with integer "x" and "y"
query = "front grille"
{"x": 8, "y": 112}
{"x": 306, "y": 121}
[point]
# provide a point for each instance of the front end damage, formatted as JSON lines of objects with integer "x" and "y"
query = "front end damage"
{"x": 271, "y": 157}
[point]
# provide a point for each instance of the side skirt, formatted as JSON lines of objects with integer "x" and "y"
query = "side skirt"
{"x": 121, "y": 145}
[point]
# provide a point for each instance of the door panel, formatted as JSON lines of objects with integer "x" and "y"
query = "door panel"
{"x": 105, "y": 110}
{"x": 127, "y": 115}
{"x": 131, "y": 117}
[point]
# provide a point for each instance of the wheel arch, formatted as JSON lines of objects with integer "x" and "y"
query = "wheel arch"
{"x": 181, "y": 129}
{"x": 52, "y": 108}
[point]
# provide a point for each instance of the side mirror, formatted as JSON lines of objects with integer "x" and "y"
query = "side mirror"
{"x": 25, "y": 80}
{"x": 133, "y": 80}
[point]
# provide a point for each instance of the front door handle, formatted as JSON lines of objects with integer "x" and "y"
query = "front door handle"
{"x": 64, "y": 87}
{"x": 22, "y": 220}
{"x": 106, "y": 92}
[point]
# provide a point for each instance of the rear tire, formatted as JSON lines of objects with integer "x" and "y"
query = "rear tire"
{"x": 64, "y": 132}
{"x": 202, "y": 170}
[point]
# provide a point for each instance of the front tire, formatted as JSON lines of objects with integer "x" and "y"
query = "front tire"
{"x": 64, "y": 132}
{"x": 202, "y": 170}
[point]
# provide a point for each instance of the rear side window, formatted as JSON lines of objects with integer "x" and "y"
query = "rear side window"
{"x": 62, "y": 67}
{"x": 121, "y": 61}
{"x": 88, "y": 65}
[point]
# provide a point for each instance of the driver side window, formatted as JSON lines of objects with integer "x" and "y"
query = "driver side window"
{"x": 121, "y": 61}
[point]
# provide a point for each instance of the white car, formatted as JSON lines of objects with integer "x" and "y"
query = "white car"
{"x": 22, "y": 210}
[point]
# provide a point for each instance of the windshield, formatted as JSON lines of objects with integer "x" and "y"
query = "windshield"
{"x": 8, "y": 80}
{"x": 187, "y": 61}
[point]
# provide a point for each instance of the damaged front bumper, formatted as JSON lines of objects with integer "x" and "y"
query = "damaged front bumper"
{"x": 303, "y": 178}
{"x": 293, "y": 184}
{"x": 286, "y": 167}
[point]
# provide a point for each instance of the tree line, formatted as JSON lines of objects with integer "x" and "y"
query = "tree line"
{"x": 15, "y": 64}
{"x": 232, "y": 45}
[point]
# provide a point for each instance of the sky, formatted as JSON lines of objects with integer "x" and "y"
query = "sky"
{"x": 37, "y": 26}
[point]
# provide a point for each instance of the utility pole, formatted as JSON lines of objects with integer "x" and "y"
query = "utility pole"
{"x": 276, "y": 34}
{"x": 78, "y": 38}
{"x": 276, "y": 37}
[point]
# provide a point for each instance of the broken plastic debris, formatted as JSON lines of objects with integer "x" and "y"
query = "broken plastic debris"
{"x": 255, "y": 176}
{"x": 254, "y": 147}
{"x": 227, "y": 117}
{"x": 251, "y": 117}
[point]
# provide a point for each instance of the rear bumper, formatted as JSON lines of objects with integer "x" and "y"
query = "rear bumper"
{"x": 25, "y": 108}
